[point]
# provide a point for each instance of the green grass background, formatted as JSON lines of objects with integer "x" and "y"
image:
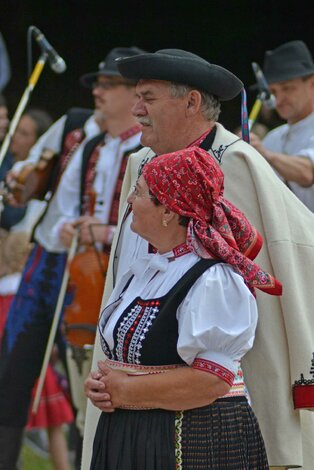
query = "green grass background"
{"x": 31, "y": 461}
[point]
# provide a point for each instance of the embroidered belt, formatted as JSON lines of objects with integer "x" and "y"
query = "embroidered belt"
{"x": 237, "y": 389}
{"x": 135, "y": 369}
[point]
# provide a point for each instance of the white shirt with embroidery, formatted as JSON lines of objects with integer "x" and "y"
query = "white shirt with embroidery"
{"x": 65, "y": 204}
{"x": 217, "y": 319}
{"x": 296, "y": 139}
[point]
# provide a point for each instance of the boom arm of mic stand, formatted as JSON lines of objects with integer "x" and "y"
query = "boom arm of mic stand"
{"x": 22, "y": 104}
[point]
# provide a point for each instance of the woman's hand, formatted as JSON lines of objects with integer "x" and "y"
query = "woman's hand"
{"x": 182, "y": 388}
{"x": 96, "y": 391}
{"x": 115, "y": 383}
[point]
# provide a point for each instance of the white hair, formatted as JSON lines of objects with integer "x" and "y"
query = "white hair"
{"x": 210, "y": 104}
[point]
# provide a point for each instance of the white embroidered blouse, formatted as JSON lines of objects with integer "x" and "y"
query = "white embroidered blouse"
{"x": 216, "y": 320}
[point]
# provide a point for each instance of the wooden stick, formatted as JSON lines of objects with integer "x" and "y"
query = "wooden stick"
{"x": 55, "y": 322}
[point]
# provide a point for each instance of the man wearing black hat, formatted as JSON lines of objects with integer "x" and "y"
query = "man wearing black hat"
{"x": 178, "y": 105}
{"x": 91, "y": 163}
{"x": 289, "y": 149}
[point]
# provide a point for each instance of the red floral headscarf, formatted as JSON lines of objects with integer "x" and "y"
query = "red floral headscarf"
{"x": 190, "y": 183}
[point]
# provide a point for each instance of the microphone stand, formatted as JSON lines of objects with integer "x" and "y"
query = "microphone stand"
{"x": 23, "y": 102}
{"x": 18, "y": 113}
{"x": 261, "y": 97}
{"x": 264, "y": 95}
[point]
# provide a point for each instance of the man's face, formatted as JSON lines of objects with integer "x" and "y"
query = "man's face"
{"x": 113, "y": 97}
{"x": 161, "y": 115}
{"x": 4, "y": 121}
{"x": 294, "y": 98}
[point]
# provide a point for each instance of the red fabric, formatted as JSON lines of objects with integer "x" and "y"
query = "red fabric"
{"x": 5, "y": 302}
{"x": 54, "y": 407}
{"x": 130, "y": 132}
{"x": 89, "y": 192}
{"x": 72, "y": 142}
{"x": 189, "y": 182}
{"x": 214, "y": 368}
{"x": 303, "y": 396}
{"x": 114, "y": 211}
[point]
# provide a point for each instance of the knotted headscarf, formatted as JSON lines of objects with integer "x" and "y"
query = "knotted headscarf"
{"x": 190, "y": 183}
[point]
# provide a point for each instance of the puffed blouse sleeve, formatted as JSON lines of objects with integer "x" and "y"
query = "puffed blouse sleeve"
{"x": 217, "y": 322}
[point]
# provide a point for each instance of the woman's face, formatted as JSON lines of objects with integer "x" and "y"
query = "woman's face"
{"x": 147, "y": 217}
{"x": 4, "y": 122}
{"x": 24, "y": 138}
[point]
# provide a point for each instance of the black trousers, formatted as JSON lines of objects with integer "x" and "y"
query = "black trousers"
{"x": 10, "y": 446}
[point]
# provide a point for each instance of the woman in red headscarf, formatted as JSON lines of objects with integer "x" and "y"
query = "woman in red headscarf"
{"x": 176, "y": 327}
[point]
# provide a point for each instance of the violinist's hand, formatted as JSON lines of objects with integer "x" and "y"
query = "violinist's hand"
{"x": 13, "y": 185}
{"x": 95, "y": 390}
{"x": 92, "y": 230}
{"x": 66, "y": 234}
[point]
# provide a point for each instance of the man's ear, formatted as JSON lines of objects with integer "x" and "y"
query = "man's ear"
{"x": 193, "y": 102}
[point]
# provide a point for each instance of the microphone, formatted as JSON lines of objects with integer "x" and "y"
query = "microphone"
{"x": 56, "y": 62}
{"x": 268, "y": 99}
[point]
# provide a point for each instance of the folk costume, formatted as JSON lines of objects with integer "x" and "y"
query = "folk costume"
{"x": 290, "y": 61}
{"x": 284, "y": 337}
{"x": 252, "y": 185}
{"x": 25, "y": 336}
{"x": 166, "y": 317}
{"x": 295, "y": 139}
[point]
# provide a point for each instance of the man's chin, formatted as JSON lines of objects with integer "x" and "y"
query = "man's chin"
{"x": 132, "y": 226}
{"x": 148, "y": 137}
{"x": 284, "y": 113}
{"x": 144, "y": 140}
{"x": 99, "y": 115}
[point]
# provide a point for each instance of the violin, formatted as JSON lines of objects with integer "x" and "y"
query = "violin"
{"x": 87, "y": 275}
{"x": 34, "y": 179}
{"x": 87, "y": 279}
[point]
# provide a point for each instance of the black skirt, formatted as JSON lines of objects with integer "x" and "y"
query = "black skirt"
{"x": 222, "y": 436}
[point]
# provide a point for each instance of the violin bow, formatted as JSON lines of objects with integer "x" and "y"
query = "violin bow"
{"x": 55, "y": 322}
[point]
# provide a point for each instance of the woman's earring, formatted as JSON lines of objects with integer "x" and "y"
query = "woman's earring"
{"x": 164, "y": 223}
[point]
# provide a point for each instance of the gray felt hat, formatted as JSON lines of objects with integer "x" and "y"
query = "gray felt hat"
{"x": 108, "y": 67}
{"x": 176, "y": 65}
{"x": 288, "y": 61}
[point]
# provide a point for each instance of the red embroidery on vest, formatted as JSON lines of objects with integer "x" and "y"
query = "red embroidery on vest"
{"x": 130, "y": 132}
{"x": 71, "y": 143}
{"x": 89, "y": 178}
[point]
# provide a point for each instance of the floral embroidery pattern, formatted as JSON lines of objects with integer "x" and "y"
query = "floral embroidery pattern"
{"x": 213, "y": 368}
{"x": 190, "y": 183}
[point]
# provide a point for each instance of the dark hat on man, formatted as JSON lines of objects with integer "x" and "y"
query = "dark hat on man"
{"x": 108, "y": 66}
{"x": 288, "y": 61}
{"x": 176, "y": 65}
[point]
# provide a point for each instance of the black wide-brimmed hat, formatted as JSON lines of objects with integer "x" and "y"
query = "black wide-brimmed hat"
{"x": 176, "y": 65}
{"x": 288, "y": 61}
{"x": 108, "y": 67}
